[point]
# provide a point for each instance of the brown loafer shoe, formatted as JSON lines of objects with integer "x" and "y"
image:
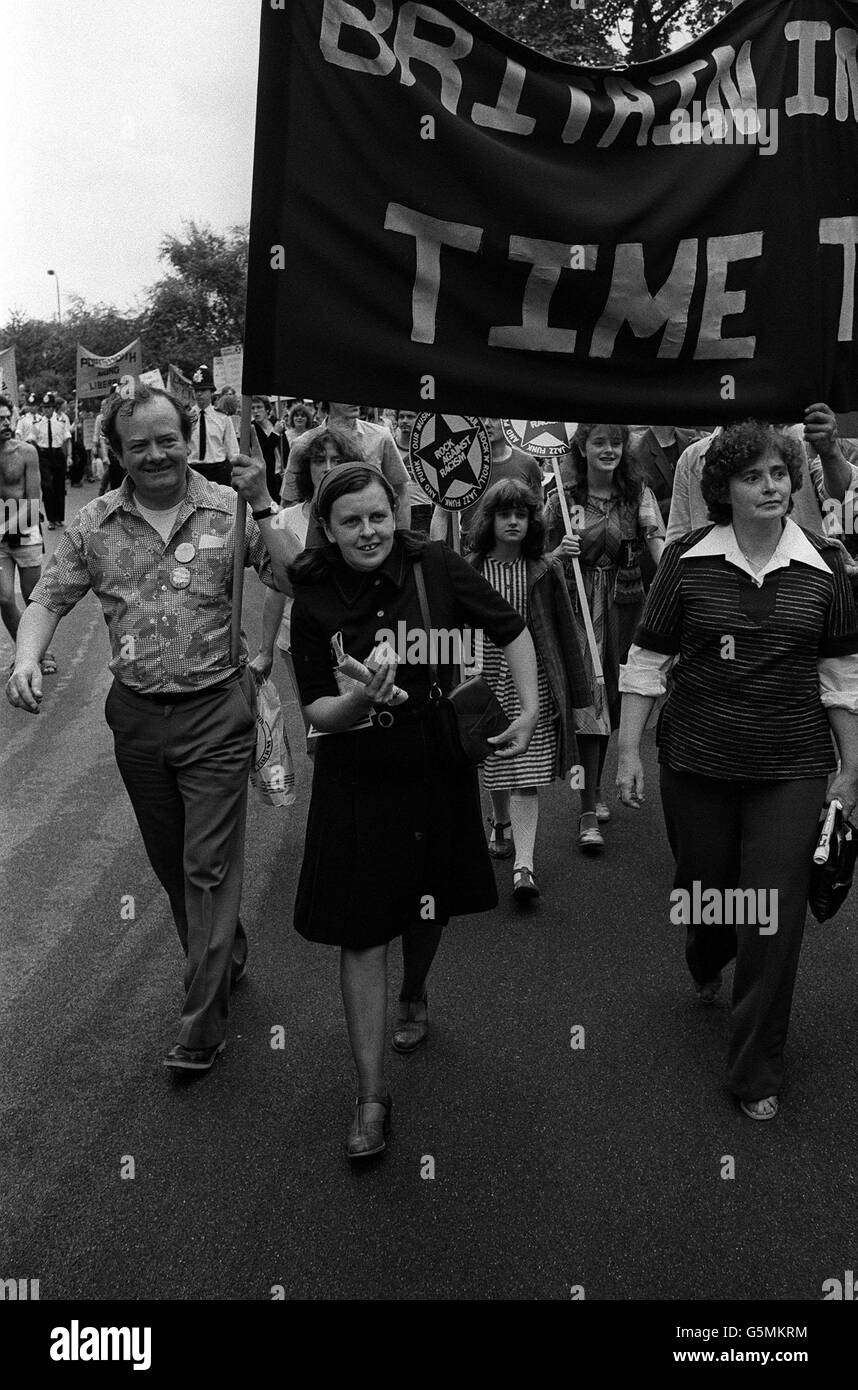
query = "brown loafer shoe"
{"x": 368, "y": 1137}
{"x": 409, "y": 1031}
{"x": 193, "y": 1058}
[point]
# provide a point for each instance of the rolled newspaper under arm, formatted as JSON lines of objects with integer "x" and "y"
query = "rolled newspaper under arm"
{"x": 823, "y": 847}
{"x": 354, "y": 670}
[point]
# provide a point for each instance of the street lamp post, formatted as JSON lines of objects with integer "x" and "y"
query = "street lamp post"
{"x": 59, "y": 310}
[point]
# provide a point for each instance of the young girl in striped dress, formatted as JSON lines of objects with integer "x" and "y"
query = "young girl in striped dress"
{"x": 508, "y": 539}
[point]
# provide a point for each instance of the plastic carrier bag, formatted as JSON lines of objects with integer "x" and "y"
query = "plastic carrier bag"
{"x": 273, "y": 774}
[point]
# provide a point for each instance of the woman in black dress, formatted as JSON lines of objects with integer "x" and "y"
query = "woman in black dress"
{"x": 394, "y": 844}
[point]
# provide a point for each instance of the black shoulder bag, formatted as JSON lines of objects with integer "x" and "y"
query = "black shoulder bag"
{"x": 471, "y": 713}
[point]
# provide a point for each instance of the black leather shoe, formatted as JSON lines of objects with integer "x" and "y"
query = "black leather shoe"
{"x": 590, "y": 838}
{"x": 708, "y": 992}
{"x": 409, "y": 1032}
{"x": 193, "y": 1058}
{"x": 369, "y": 1137}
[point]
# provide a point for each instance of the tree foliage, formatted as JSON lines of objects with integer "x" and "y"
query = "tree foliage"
{"x": 603, "y": 32}
{"x": 198, "y": 306}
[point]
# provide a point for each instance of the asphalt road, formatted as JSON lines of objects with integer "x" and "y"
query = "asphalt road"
{"x": 554, "y": 1166}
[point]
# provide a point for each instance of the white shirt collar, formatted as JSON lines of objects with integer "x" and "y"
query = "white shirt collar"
{"x": 793, "y": 545}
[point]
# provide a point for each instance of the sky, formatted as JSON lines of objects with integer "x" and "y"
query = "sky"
{"x": 124, "y": 118}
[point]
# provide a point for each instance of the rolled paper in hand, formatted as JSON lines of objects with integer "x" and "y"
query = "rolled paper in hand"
{"x": 823, "y": 847}
{"x": 356, "y": 671}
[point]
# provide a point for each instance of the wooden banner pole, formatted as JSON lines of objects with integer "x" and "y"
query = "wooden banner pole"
{"x": 239, "y": 544}
{"x": 579, "y": 584}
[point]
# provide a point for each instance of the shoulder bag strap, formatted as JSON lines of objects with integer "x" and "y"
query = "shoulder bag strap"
{"x": 435, "y": 689}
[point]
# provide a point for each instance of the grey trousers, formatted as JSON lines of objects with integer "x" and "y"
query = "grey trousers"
{"x": 749, "y": 835}
{"x": 185, "y": 767}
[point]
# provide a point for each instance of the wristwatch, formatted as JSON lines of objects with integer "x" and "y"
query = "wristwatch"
{"x": 263, "y": 512}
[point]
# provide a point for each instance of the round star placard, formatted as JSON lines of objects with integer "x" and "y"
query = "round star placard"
{"x": 451, "y": 456}
{"x": 544, "y": 438}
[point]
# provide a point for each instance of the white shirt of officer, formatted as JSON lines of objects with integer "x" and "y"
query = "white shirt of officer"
{"x": 60, "y": 431}
{"x": 221, "y": 443}
{"x": 26, "y": 426}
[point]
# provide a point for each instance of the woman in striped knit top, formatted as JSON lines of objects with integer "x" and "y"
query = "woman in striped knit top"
{"x": 755, "y": 619}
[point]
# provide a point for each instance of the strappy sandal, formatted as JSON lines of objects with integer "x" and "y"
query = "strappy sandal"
{"x": 524, "y": 884}
{"x": 500, "y": 844}
{"x": 369, "y": 1137}
{"x": 764, "y": 1109}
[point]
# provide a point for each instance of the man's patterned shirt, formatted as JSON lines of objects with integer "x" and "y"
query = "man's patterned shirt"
{"x": 164, "y": 639}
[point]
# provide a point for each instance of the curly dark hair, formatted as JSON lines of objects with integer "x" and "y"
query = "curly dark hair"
{"x": 117, "y": 405}
{"x": 300, "y": 408}
{"x": 627, "y": 479}
{"x": 309, "y": 448}
{"x": 508, "y": 492}
{"x": 733, "y": 450}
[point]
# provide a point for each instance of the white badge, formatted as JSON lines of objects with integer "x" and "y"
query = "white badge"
{"x": 185, "y": 553}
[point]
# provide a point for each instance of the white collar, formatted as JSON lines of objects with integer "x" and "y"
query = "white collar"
{"x": 793, "y": 545}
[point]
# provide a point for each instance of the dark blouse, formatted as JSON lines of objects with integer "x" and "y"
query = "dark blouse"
{"x": 744, "y": 697}
{"x": 361, "y": 605}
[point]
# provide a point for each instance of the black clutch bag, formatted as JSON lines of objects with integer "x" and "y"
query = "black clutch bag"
{"x": 833, "y": 866}
{"x": 471, "y": 714}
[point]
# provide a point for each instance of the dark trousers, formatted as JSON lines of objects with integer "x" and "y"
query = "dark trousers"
{"x": 78, "y": 463}
{"x": 757, "y": 835}
{"x": 52, "y": 474}
{"x": 185, "y": 767}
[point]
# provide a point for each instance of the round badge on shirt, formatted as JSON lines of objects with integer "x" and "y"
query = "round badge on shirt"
{"x": 180, "y": 578}
{"x": 185, "y": 553}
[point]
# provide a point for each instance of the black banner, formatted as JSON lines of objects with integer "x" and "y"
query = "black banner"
{"x": 445, "y": 220}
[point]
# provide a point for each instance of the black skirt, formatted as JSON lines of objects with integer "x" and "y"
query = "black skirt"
{"x": 394, "y": 837}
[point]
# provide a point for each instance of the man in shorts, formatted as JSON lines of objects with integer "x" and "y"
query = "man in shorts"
{"x": 21, "y": 547}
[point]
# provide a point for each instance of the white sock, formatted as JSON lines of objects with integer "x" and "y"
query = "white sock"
{"x": 524, "y": 815}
